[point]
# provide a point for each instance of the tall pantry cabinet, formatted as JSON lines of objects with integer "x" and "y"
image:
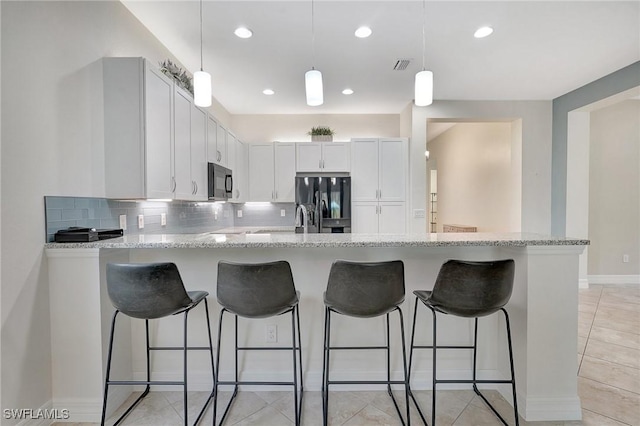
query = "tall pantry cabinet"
{"x": 379, "y": 174}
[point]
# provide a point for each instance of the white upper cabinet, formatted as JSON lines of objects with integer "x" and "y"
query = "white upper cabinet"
{"x": 138, "y": 129}
{"x": 285, "y": 172}
{"x": 155, "y": 137}
{"x": 199, "y": 154}
{"x": 221, "y": 144}
{"x": 322, "y": 157}
{"x": 272, "y": 172}
{"x": 212, "y": 140}
{"x": 379, "y": 169}
{"x": 241, "y": 173}
{"x": 182, "y": 145}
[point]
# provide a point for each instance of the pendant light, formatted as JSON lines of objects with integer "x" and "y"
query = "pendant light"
{"x": 424, "y": 79}
{"x": 313, "y": 77}
{"x": 201, "y": 79}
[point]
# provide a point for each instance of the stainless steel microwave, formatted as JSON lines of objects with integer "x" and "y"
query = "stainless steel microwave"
{"x": 220, "y": 182}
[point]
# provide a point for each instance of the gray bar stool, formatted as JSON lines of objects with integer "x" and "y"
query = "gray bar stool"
{"x": 151, "y": 291}
{"x": 364, "y": 290}
{"x": 470, "y": 290}
{"x": 259, "y": 290}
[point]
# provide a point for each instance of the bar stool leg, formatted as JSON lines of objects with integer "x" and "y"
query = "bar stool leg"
{"x": 106, "y": 381}
{"x": 295, "y": 368}
{"x": 325, "y": 373}
{"x": 513, "y": 375}
{"x": 406, "y": 371}
{"x": 433, "y": 394}
{"x": 184, "y": 371}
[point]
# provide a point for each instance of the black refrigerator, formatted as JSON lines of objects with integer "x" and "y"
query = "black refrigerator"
{"x": 327, "y": 201}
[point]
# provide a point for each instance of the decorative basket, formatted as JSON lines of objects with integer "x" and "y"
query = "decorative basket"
{"x": 321, "y": 138}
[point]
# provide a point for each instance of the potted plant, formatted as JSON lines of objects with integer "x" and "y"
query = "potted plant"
{"x": 321, "y": 134}
{"x": 182, "y": 78}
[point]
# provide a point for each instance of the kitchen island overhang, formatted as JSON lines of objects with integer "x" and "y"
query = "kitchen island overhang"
{"x": 543, "y": 310}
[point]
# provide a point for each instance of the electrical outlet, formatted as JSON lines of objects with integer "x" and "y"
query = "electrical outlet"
{"x": 140, "y": 221}
{"x": 239, "y": 213}
{"x": 123, "y": 222}
{"x": 625, "y": 258}
{"x": 163, "y": 219}
{"x": 283, "y": 212}
{"x": 417, "y": 213}
{"x": 271, "y": 334}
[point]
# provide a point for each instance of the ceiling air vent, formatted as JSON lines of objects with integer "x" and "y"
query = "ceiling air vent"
{"x": 401, "y": 64}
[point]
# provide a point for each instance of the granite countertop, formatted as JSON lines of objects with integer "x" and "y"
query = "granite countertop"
{"x": 278, "y": 237}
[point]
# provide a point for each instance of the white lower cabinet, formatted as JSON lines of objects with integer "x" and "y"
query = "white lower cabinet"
{"x": 371, "y": 217}
{"x": 272, "y": 172}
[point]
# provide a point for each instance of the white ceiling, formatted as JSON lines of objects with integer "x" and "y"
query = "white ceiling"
{"x": 539, "y": 50}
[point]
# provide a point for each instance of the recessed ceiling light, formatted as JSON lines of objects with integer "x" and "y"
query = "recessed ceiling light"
{"x": 483, "y": 32}
{"x": 363, "y": 32}
{"x": 268, "y": 92}
{"x": 243, "y": 32}
{"x": 347, "y": 92}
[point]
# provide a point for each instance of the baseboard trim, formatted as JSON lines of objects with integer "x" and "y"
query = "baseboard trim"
{"x": 89, "y": 410}
{"x": 547, "y": 409}
{"x": 45, "y": 415}
{"x": 614, "y": 279}
{"x": 583, "y": 283}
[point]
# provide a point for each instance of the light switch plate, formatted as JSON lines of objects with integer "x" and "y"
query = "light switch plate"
{"x": 123, "y": 222}
{"x": 419, "y": 213}
{"x": 283, "y": 212}
{"x": 163, "y": 219}
{"x": 140, "y": 221}
{"x": 239, "y": 213}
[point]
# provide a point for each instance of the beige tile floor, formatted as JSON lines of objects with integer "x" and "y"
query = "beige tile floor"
{"x": 608, "y": 380}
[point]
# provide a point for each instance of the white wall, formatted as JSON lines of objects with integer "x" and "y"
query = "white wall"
{"x": 614, "y": 189}
{"x": 474, "y": 168}
{"x": 294, "y": 127}
{"x": 51, "y": 144}
{"x": 535, "y": 195}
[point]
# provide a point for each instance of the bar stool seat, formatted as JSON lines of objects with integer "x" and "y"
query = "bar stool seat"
{"x": 364, "y": 290}
{"x": 152, "y": 291}
{"x": 469, "y": 290}
{"x": 253, "y": 291}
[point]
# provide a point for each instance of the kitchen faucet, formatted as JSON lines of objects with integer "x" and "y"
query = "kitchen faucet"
{"x": 305, "y": 217}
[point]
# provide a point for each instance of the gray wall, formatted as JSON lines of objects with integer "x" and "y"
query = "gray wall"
{"x": 619, "y": 81}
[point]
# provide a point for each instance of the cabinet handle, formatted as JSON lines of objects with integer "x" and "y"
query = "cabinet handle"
{"x": 219, "y": 156}
{"x": 380, "y": 209}
{"x": 276, "y": 195}
{"x": 319, "y": 164}
{"x": 173, "y": 186}
{"x": 322, "y": 164}
{"x": 380, "y": 193}
{"x": 272, "y": 195}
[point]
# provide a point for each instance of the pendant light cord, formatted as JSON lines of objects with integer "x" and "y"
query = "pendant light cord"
{"x": 200, "y": 35}
{"x": 424, "y": 19}
{"x": 313, "y": 38}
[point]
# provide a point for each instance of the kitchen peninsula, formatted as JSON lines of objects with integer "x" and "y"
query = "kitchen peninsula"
{"x": 543, "y": 311}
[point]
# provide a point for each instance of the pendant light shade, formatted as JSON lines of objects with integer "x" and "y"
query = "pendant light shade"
{"x": 201, "y": 79}
{"x": 424, "y": 88}
{"x": 202, "y": 88}
{"x": 313, "y": 85}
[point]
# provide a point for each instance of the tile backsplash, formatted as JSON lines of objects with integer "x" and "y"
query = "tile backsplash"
{"x": 186, "y": 217}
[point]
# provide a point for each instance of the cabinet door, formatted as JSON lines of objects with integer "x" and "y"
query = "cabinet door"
{"x": 364, "y": 217}
{"x": 391, "y": 218}
{"x": 159, "y": 134}
{"x": 221, "y": 144}
{"x": 212, "y": 140}
{"x": 199, "y": 153}
{"x": 335, "y": 157}
{"x": 231, "y": 150}
{"x": 393, "y": 169}
{"x": 261, "y": 172}
{"x": 285, "y": 172}
{"x": 182, "y": 146}
{"x": 308, "y": 156}
{"x": 364, "y": 169}
{"x": 240, "y": 173}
